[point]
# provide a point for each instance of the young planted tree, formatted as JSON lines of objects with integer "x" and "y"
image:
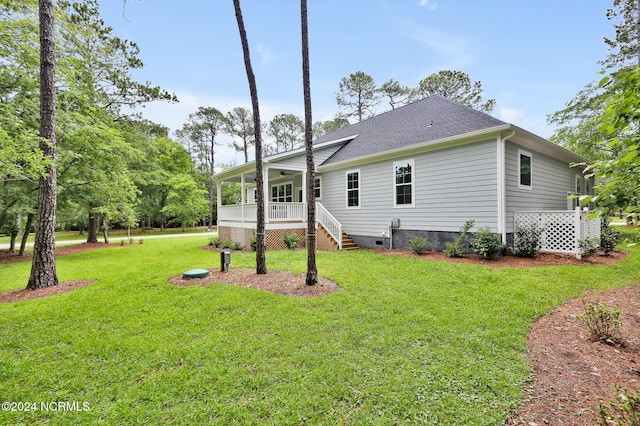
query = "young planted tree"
{"x": 261, "y": 263}
{"x": 240, "y": 124}
{"x": 358, "y": 95}
{"x": 201, "y": 131}
{"x": 43, "y": 266}
{"x": 312, "y": 269}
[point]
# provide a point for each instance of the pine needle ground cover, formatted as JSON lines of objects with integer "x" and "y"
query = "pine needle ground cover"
{"x": 404, "y": 340}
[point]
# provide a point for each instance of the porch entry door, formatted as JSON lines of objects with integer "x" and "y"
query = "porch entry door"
{"x": 282, "y": 193}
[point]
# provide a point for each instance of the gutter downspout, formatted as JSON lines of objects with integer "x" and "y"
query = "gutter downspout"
{"x": 502, "y": 193}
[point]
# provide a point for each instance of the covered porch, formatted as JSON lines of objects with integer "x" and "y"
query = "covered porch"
{"x": 285, "y": 191}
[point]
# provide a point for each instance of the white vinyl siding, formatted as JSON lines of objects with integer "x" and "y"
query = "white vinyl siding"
{"x": 452, "y": 185}
{"x": 552, "y": 181}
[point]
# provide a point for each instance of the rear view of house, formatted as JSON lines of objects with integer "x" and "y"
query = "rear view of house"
{"x": 422, "y": 169}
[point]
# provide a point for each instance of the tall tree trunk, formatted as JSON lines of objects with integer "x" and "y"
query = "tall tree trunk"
{"x": 312, "y": 269}
{"x": 14, "y": 234}
{"x": 105, "y": 230}
{"x": 92, "y": 229}
{"x": 25, "y": 236}
{"x": 261, "y": 261}
{"x": 212, "y": 185}
{"x": 638, "y": 31}
{"x": 43, "y": 265}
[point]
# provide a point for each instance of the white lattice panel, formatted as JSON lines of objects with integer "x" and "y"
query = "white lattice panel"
{"x": 559, "y": 229}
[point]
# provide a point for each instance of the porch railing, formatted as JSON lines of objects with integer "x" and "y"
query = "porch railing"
{"x": 333, "y": 227}
{"x": 277, "y": 212}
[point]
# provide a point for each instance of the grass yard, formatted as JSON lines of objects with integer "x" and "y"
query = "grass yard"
{"x": 113, "y": 233}
{"x": 404, "y": 341}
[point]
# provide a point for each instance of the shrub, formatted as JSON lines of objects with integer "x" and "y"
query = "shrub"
{"x": 253, "y": 243}
{"x": 526, "y": 240}
{"x": 140, "y": 241}
{"x": 290, "y": 240}
{"x": 609, "y": 238}
{"x": 456, "y": 248}
{"x": 626, "y": 411}
{"x": 236, "y": 246}
{"x": 588, "y": 246}
{"x": 419, "y": 244}
{"x": 486, "y": 243}
{"x": 226, "y": 244}
{"x": 603, "y": 322}
{"x": 214, "y": 241}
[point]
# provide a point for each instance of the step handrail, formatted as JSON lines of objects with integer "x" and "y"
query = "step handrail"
{"x": 330, "y": 223}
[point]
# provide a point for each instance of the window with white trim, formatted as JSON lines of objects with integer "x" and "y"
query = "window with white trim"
{"x": 524, "y": 169}
{"x": 353, "y": 189}
{"x": 403, "y": 183}
{"x": 317, "y": 188}
{"x": 579, "y": 181}
{"x": 282, "y": 193}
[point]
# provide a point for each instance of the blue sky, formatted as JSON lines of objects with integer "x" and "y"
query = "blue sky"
{"x": 531, "y": 56}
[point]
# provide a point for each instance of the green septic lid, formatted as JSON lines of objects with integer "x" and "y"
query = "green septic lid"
{"x": 196, "y": 273}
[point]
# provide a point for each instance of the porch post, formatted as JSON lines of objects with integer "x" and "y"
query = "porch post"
{"x": 218, "y": 199}
{"x": 304, "y": 193}
{"x": 265, "y": 183}
{"x": 242, "y": 197}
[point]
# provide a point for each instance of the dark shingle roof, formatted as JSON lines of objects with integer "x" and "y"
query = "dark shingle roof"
{"x": 429, "y": 119}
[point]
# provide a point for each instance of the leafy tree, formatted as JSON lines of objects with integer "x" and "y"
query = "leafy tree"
{"x": 43, "y": 266}
{"x": 454, "y": 85}
{"x": 200, "y": 133}
{"x": 619, "y": 184}
{"x": 312, "y": 269}
{"x": 261, "y": 263}
{"x": 240, "y": 124}
{"x": 395, "y": 92}
{"x": 323, "y": 127}
{"x": 287, "y": 131}
{"x": 186, "y": 203}
{"x": 358, "y": 95}
{"x": 578, "y": 124}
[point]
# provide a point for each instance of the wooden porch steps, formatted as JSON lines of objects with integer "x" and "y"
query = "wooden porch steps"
{"x": 347, "y": 243}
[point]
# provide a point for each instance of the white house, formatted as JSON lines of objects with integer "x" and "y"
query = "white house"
{"x": 421, "y": 169}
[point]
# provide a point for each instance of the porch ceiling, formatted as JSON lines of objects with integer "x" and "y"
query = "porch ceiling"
{"x": 274, "y": 173}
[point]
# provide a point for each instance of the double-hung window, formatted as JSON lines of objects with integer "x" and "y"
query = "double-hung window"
{"x": 353, "y": 189}
{"x": 524, "y": 169}
{"x": 317, "y": 183}
{"x": 403, "y": 173}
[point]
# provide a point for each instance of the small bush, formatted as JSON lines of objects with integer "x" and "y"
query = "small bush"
{"x": 122, "y": 242}
{"x": 214, "y": 241}
{"x": 526, "y": 240}
{"x": 486, "y": 243}
{"x": 603, "y": 322}
{"x": 419, "y": 244}
{"x": 588, "y": 246}
{"x": 140, "y": 241}
{"x": 290, "y": 240}
{"x": 236, "y": 246}
{"x": 253, "y": 244}
{"x": 626, "y": 410}
{"x": 456, "y": 248}
{"x": 609, "y": 238}
{"x": 226, "y": 244}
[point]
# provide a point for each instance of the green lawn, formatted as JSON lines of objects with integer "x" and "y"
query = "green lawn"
{"x": 404, "y": 341}
{"x": 114, "y": 233}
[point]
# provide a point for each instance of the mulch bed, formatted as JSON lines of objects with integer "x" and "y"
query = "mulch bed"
{"x": 6, "y": 257}
{"x": 25, "y": 294}
{"x": 510, "y": 261}
{"x": 279, "y": 282}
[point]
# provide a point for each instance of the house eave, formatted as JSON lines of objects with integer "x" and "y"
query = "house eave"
{"x": 447, "y": 142}
{"x": 251, "y": 166}
{"x": 539, "y": 144}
